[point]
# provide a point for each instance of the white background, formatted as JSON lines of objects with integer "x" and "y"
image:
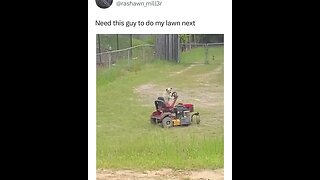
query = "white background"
{"x": 211, "y": 16}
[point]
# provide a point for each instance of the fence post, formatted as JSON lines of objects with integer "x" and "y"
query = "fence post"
{"x": 206, "y": 52}
{"x": 129, "y": 59}
{"x": 99, "y": 49}
{"x": 109, "y": 63}
{"x": 143, "y": 60}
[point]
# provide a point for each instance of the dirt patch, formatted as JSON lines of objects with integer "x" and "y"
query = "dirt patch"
{"x": 207, "y": 95}
{"x": 148, "y": 93}
{"x": 104, "y": 174}
{"x": 179, "y": 72}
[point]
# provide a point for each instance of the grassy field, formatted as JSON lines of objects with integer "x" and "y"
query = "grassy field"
{"x": 125, "y": 137}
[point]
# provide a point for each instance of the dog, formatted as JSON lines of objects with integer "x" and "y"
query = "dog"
{"x": 168, "y": 94}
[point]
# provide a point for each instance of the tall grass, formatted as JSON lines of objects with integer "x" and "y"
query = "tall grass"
{"x": 161, "y": 149}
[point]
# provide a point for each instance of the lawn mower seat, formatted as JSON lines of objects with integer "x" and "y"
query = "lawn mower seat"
{"x": 161, "y": 105}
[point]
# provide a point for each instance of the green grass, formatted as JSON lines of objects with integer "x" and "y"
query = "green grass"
{"x": 197, "y": 55}
{"x": 125, "y": 137}
{"x": 161, "y": 148}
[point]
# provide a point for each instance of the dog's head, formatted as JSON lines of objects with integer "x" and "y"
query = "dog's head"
{"x": 169, "y": 90}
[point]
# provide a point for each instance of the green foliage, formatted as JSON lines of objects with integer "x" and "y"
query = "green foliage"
{"x": 184, "y": 38}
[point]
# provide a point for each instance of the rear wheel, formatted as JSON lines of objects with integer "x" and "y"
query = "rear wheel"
{"x": 167, "y": 122}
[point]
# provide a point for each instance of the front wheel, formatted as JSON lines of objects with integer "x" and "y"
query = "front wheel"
{"x": 152, "y": 120}
{"x": 167, "y": 122}
{"x": 195, "y": 118}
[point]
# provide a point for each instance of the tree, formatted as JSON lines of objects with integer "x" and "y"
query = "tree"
{"x": 184, "y": 39}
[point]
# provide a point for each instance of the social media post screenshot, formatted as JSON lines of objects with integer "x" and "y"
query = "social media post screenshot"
{"x": 159, "y": 85}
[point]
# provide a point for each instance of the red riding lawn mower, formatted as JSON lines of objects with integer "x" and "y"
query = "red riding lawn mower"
{"x": 169, "y": 115}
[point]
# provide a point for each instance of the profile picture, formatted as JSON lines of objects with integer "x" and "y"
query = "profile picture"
{"x": 104, "y": 3}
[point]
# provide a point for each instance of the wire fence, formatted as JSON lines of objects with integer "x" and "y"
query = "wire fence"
{"x": 129, "y": 56}
{"x": 188, "y": 46}
{"x": 142, "y": 54}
